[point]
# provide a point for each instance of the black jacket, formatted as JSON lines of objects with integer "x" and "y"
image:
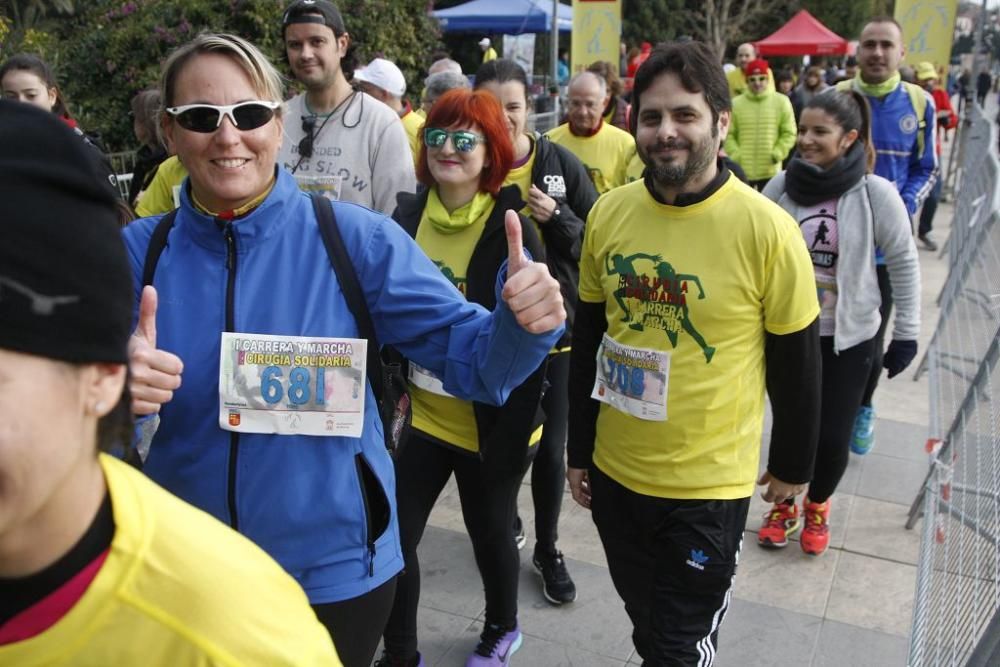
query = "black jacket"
{"x": 147, "y": 160}
{"x": 504, "y": 432}
{"x": 560, "y": 174}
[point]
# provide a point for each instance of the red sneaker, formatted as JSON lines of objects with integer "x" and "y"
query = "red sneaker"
{"x": 816, "y": 534}
{"x": 780, "y": 522}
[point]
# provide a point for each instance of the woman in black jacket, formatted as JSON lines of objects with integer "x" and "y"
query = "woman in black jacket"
{"x": 459, "y": 221}
{"x": 559, "y": 194}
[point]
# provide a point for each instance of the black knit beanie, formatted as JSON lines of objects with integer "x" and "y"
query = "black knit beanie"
{"x": 65, "y": 283}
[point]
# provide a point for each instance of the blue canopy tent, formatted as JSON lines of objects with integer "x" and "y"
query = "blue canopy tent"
{"x": 509, "y": 17}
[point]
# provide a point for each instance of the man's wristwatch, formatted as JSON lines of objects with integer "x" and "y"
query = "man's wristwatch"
{"x": 556, "y": 213}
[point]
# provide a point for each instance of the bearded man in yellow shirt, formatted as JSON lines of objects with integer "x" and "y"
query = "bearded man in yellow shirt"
{"x": 694, "y": 291}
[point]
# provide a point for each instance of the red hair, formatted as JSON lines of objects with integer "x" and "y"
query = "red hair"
{"x": 463, "y": 107}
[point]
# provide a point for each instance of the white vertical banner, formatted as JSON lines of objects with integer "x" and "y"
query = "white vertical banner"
{"x": 521, "y": 49}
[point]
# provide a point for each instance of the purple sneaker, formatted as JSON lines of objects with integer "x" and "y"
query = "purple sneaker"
{"x": 495, "y": 648}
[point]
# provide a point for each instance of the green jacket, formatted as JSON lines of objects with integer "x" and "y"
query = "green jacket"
{"x": 761, "y": 133}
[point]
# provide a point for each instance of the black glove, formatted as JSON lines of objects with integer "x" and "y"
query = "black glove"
{"x": 899, "y": 355}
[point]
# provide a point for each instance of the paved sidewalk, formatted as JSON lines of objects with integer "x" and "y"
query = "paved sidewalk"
{"x": 851, "y": 606}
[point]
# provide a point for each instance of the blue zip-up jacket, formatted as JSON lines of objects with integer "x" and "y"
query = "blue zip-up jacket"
{"x": 894, "y": 134}
{"x": 323, "y": 507}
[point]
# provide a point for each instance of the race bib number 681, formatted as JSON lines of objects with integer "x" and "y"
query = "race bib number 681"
{"x": 292, "y": 384}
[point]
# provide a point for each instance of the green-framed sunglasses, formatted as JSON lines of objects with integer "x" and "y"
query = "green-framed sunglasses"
{"x": 464, "y": 141}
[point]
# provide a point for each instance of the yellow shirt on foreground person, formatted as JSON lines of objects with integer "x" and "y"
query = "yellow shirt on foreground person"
{"x": 179, "y": 588}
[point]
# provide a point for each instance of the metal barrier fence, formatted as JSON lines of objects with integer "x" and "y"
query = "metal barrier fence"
{"x": 958, "y": 575}
{"x": 123, "y": 164}
{"x": 543, "y": 122}
{"x": 975, "y": 198}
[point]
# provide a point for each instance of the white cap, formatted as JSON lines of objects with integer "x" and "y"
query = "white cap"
{"x": 484, "y": 42}
{"x": 383, "y": 74}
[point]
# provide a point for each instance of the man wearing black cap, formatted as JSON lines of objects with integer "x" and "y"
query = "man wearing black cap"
{"x": 99, "y": 565}
{"x": 331, "y": 129}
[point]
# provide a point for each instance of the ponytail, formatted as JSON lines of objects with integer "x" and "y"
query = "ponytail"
{"x": 865, "y": 131}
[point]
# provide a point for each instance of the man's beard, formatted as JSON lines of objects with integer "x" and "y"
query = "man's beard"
{"x": 700, "y": 155}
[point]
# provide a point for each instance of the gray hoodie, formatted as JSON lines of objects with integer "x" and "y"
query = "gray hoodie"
{"x": 871, "y": 213}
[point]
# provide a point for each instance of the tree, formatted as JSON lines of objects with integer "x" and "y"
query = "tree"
{"x": 25, "y": 14}
{"x": 650, "y": 21}
{"x": 110, "y": 49}
{"x": 845, "y": 17}
{"x": 716, "y": 22}
{"x": 722, "y": 22}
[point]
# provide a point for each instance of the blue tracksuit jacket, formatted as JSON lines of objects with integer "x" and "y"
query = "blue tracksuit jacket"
{"x": 898, "y": 159}
{"x": 301, "y": 498}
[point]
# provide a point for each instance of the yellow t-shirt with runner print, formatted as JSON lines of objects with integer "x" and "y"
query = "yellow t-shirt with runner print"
{"x": 605, "y": 154}
{"x": 445, "y": 417}
{"x": 702, "y": 283}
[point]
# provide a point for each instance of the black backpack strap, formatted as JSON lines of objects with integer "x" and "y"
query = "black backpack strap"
{"x": 157, "y": 242}
{"x": 349, "y": 284}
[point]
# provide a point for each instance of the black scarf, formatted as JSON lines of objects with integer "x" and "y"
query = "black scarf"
{"x": 809, "y": 185}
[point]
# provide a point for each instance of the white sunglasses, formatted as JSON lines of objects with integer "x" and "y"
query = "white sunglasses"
{"x": 208, "y": 117}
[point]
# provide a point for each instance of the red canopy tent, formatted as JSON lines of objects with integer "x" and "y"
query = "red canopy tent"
{"x": 802, "y": 35}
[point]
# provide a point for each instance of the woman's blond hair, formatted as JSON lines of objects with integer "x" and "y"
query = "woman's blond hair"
{"x": 266, "y": 80}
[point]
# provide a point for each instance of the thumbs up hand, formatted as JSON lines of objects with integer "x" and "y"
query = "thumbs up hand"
{"x": 530, "y": 292}
{"x": 155, "y": 373}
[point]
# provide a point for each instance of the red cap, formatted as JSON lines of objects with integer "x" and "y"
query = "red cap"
{"x": 758, "y": 66}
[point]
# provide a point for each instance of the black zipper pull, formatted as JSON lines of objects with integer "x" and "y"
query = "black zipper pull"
{"x": 371, "y": 561}
{"x": 230, "y": 246}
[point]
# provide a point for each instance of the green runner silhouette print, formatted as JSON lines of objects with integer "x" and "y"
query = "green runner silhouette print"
{"x": 660, "y": 300}
{"x": 447, "y": 272}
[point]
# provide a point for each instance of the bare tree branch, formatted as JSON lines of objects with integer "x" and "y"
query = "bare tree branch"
{"x": 720, "y": 22}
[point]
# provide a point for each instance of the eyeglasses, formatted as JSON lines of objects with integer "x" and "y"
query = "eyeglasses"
{"x": 207, "y": 118}
{"x": 756, "y": 79}
{"x": 306, "y": 144}
{"x": 463, "y": 140}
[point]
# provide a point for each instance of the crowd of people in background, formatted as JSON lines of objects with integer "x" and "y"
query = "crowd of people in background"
{"x": 687, "y": 237}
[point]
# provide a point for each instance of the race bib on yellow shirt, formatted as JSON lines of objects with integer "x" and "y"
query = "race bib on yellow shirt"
{"x": 292, "y": 384}
{"x": 423, "y": 378}
{"x": 632, "y": 380}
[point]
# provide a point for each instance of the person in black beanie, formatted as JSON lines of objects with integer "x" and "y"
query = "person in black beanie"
{"x": 844, "y": 212}
{"x": 86, "y": 541}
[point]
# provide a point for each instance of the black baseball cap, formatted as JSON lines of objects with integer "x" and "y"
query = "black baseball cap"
{"x": 322, "y": 12}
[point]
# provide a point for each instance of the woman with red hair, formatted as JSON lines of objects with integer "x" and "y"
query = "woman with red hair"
{"x": 458, "y": 219}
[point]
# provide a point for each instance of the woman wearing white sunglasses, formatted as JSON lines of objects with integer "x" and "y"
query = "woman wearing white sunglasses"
{"x": 248, "y": 437}
{"x": 458, "y": 219}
